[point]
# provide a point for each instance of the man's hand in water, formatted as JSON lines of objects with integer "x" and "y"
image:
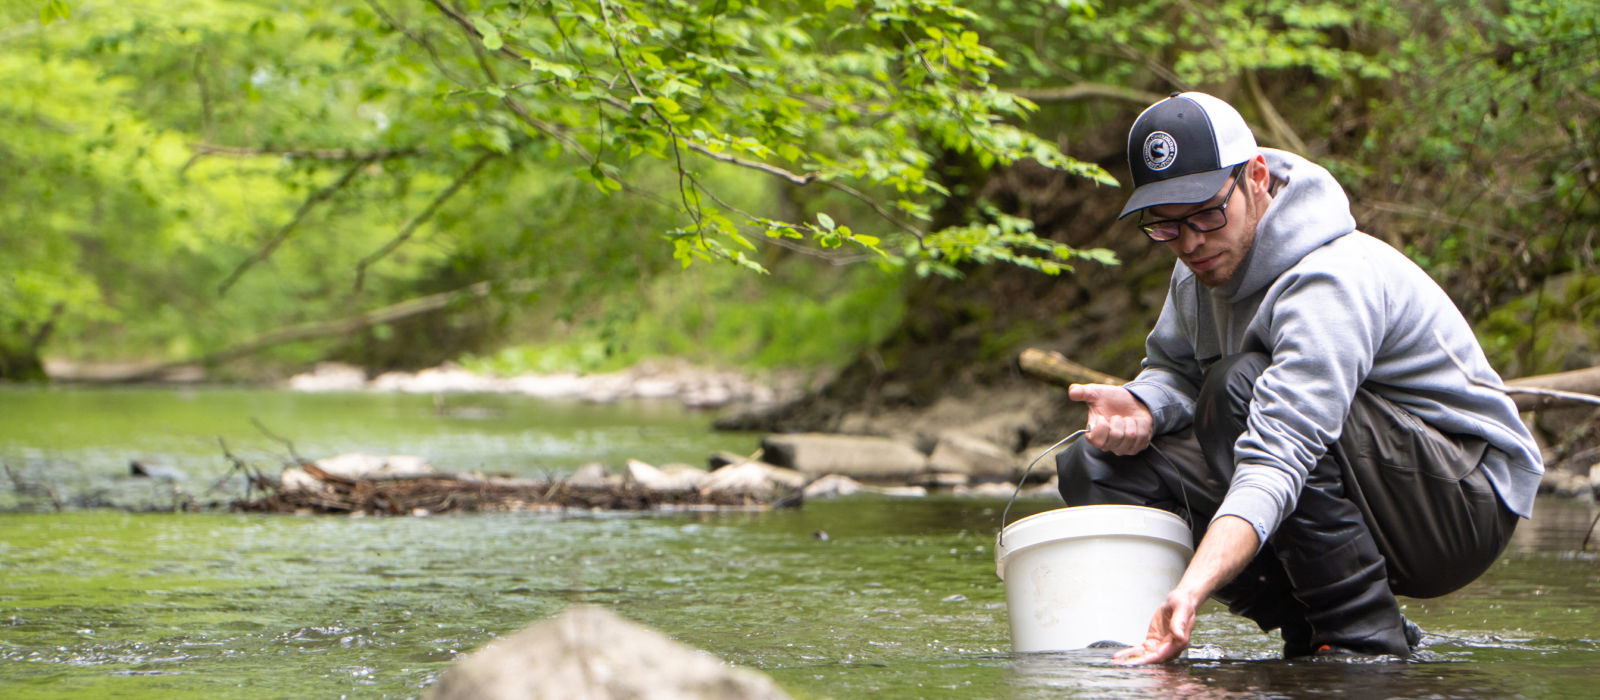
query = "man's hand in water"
{"x": 1228, "y": 546}
{"x": 1119, "y": 423}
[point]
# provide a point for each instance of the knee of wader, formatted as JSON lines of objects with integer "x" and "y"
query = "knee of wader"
{"x": 1078, "y": 468}
{"x": 1225, "y": 394}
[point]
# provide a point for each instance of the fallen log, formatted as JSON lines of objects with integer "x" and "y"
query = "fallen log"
{"x": 1053, "y": 368}
{"x": 1585, "y": 382}
{"x": 140, "y": 372}
{"x": 1546, "y": 391}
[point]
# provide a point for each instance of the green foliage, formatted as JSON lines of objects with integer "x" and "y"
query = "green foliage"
{"x": 804, "y": 317}
{"x": 319, "y": 159}
{"x": 1463, "y": 129}
{"x": 184, "y": 175}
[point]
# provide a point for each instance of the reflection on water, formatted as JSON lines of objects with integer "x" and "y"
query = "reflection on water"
{"x": 900, "y": 601}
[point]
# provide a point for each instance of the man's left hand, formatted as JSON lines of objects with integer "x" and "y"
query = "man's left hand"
{"x": 1228, "y": 546}
{"x": 1169, "y": 631}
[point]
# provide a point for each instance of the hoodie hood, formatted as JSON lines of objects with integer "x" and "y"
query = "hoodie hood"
{"x": 1308, "y": 211}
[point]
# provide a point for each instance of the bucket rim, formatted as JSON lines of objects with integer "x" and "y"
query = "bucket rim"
{"x": 1147, "y": 511}
{"x": 1153, "y": 523}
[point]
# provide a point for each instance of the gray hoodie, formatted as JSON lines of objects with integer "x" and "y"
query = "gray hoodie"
{"x": 1336, "y": 309}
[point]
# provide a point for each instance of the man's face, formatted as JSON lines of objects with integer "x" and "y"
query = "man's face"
{"x": 1215, "y": 256}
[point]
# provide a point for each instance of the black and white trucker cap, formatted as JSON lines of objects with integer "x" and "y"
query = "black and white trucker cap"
{"x": 1181, "y": 150}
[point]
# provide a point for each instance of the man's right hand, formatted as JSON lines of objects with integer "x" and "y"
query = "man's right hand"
{"x": 1119, "y": 423}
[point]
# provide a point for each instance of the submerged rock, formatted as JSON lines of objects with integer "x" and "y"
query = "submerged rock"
{"x": 155, "y": 470}
{"x": 592, "y": 654}
{"x": 820, "y": 454}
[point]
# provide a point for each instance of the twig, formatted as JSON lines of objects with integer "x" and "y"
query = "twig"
{"x": 274, "y": 437}
{"x": 422, "y": 217}
{"x": 1408, "y": 210}
{"x": 794, "y": 178}
{"x": 238, "y": 466}
{"x": 1155, "y": 66}
{"x": 516, "y": 107}
{"x": 206, "y": 149}
{"x": 283, "y": 233}
{"x": 836, "y": 260}
{"x": 419, "y": 39}
{"x": 853, "y": 192}
{"x": 33, "y": 490}
{"x": 1280, "y": 129}
{"x": 1585, "y": 546}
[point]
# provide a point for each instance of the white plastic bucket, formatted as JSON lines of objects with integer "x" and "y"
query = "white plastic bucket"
{"x": 1077, "y": 576}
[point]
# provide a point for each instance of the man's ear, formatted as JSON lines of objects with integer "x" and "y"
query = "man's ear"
{"x": 1260, "y": 178}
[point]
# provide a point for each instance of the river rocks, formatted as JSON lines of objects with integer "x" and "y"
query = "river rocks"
{"x": 330, "y": 376}
{"x": 958, "y": 453}
{"x": 364, "y": 466}
{"x": 590, "y": 653}
{"x": 835, "y": 485}
{"x": 593, "y": 475}
{"x": 695, "y": 387}
{"x": 753, "y": 478}
{"x": 355, "y": 466}
{"x": 669, "y": 478}
{"x": 868, "y": 458}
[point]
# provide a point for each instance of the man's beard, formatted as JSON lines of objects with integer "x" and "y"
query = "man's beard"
{"x": 1215, "y": 278}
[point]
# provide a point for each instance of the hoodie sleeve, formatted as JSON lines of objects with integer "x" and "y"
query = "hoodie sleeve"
{"x": 1325, "y": 329}
{"x": 1170, "y": 377}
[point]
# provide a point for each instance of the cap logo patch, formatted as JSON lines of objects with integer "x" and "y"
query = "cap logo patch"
{"x": 1160, "y": 150}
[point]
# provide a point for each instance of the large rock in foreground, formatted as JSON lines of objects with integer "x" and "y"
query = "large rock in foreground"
{"x": 592, "y": 654}
{"x": 866, "y": 458}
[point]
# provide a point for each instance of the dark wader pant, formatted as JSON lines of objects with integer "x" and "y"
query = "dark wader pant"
{"x": 1394, "y": 507}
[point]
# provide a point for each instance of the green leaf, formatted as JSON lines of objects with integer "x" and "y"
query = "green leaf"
{"x": 491, "y": 36}
{"x": 53, "y": 10}
{"x": 826, "y": 221}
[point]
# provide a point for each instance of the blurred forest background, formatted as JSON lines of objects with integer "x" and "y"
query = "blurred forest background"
{"x": 907, "y": 190}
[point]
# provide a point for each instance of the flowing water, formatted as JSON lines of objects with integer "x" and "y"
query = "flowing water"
{"x": 899, "y": 600}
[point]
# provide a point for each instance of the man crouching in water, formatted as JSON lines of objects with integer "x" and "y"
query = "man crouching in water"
{"x": 1298, "y": 403}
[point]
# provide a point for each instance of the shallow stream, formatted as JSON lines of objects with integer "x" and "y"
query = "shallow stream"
{"x": 898, "y": 601}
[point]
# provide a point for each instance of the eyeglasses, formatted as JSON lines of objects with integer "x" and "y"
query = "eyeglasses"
{"x": 1203, "y": 221}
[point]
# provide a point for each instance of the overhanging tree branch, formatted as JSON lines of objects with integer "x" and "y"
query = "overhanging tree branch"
{"x": 1276, "y": 126}
{"x": 207, "y": 149}
{"x": 283, "y": 233}
{"x": 794, "y": 178}
{"x": 421, "y": 218}
{"x": 316, "y": 329}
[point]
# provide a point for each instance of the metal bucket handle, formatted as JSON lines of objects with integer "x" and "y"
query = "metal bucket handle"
{"x": 1024, "y": 480}
{"x": 1187, "y": 514}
